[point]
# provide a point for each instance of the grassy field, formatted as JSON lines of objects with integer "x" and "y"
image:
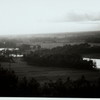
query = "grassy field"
{"x": 43, "y": 74}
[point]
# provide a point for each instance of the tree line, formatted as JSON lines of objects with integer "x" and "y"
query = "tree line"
{"x": 65, "y": 56}
{"x": 12, "y": 86}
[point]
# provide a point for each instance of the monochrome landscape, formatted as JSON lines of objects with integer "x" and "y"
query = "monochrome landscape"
{"x": 50, "y": 48}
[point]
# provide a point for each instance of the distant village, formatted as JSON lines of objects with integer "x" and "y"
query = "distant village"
{"x": 19, "y": 50}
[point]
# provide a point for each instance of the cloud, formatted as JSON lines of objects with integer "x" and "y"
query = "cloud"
{"x": 73, "y": 16}
{"x": 33, "y": 16}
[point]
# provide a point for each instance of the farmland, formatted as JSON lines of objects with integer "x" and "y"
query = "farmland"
{"x": 43, "y": 74}
{"x": 50, "y": 41}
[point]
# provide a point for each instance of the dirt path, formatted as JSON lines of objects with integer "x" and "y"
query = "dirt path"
{"x": 46, "y": 73}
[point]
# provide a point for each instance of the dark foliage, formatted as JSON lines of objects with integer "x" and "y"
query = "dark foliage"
{"x": 11, "y": 86}
{"x": 66, "y": 56}
{"x": 4, "y": 58}
{"x": 8, "y": 82}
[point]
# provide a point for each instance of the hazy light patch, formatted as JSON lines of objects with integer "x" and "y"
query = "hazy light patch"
{"x": 53, "y": 27}
{"x": 48, "y": 16}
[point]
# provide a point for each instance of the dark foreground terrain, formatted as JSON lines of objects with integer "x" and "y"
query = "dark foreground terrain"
{"x": 43, "y": 74}
{"x": 76, "y": 85}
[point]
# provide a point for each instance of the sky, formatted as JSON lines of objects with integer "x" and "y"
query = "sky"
{"x": 48, "y": 16}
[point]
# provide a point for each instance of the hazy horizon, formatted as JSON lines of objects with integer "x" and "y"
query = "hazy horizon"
{"x": 48, "y": 16}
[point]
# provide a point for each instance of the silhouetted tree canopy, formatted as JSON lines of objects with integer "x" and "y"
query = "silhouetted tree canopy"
{"x": 66, "y": 56}
{"x": 12, "y": 86}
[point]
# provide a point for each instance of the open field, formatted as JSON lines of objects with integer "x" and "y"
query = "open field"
{"x": 43, "y": 74}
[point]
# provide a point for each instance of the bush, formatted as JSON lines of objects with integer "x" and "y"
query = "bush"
{"x": 8, "y": 82}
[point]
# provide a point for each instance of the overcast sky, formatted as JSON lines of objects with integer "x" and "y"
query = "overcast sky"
{"x": 48, "y": 16}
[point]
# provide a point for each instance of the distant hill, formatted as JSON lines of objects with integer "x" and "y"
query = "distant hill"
{"x": 71, "y": 37}
{"x": 52, "y": 35}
